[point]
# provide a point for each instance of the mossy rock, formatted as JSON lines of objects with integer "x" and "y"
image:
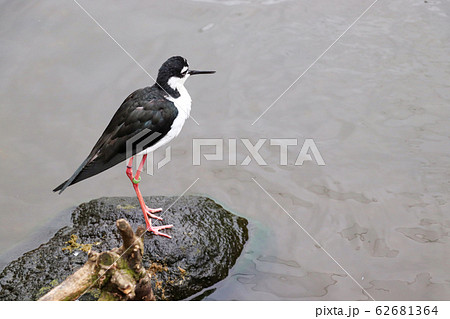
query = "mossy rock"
{"x": 206, "y": 241}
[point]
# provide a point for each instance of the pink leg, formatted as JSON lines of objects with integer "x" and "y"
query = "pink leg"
{"x": 145, "y": 209}
{"x": 136, "y": 179}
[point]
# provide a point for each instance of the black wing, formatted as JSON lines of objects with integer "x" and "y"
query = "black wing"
{"x": 143, "y": 119}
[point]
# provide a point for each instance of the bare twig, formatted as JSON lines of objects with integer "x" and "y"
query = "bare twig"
{"x": 118, "y": 273}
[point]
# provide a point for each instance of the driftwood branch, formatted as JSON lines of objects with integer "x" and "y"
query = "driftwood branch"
{"x": 118, "y": 273}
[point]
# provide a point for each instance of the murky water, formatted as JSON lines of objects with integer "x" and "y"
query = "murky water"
{"x": 376, "y": 105}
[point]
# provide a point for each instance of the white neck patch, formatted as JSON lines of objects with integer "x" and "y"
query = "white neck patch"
{"x": 177, "y": 83}
{"x": 183, "y": 102}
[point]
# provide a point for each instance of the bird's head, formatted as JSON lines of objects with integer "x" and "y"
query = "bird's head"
{"x": 174, "y": 72}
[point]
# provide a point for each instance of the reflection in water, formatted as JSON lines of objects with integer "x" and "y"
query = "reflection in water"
{"x": 420, "y": 288}
{"x": 289, "y": 286}
{"x": 376, "y": 247}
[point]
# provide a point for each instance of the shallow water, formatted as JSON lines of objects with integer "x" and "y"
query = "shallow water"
{"x": 376, "y": 105}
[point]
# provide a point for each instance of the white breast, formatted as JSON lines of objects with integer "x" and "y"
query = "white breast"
{"x": 183, "y": 105}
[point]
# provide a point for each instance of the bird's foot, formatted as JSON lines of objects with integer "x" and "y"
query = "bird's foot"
{"x": 149, "y": 211}
{"x": 156, "y": 230}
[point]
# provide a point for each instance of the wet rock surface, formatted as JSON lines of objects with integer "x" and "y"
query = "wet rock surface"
{"x": 206, "y": 241}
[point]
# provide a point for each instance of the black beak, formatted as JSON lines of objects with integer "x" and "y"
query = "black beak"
{"x": 193, "y": 72}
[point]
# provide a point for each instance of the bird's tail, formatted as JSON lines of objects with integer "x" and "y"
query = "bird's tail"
{"x": 71, "y": 180}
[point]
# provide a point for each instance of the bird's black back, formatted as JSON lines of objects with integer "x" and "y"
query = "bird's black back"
{"x": 144, "y": 113}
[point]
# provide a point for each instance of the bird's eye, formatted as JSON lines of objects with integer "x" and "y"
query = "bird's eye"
{"x": 184, "y": 71}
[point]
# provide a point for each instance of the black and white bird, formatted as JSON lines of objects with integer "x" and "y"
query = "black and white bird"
{"x": 149, "y": 117}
